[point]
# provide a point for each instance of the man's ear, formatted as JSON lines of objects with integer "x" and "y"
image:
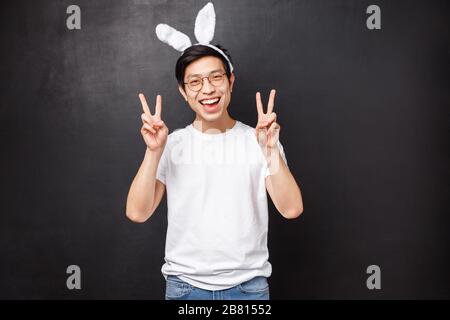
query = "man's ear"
{"x": 231, "y": 81}
{"x": 183, "y": 93}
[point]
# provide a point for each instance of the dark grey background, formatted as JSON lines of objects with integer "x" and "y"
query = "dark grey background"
{"x": 364, "y": 118}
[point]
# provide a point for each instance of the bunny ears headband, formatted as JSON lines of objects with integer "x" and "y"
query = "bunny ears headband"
{"x": 205, "y": 24}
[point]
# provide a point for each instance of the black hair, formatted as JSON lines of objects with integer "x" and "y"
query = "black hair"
{"x": 196, "y": 52}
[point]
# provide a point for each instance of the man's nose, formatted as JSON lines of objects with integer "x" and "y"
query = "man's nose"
{"x": 207, "y": 86}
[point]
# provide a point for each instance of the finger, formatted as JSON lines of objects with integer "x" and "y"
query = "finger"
{"x": 259, "y": 105}
{"x": 260, "y": 125}
{"x": 150, "y": 120}
{"x": 271, "y": 118}
{"x": 145, "y": 105}
{"x": 149, "y": 128}
{"x": 274, "y": 135}
{"x": 262, "y": 137}
{"x": 145, "y": 118}
{"x": 257, "y": 130}
{"x": 267, "y": 120}
{"x": 158, "y": 106}
{"x": 158, "y": 124}
{"x": 271, "y": 101}
{"x": 273, "y": 127}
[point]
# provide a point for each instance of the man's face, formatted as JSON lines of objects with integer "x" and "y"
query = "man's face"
{"x": 208, "y": 93}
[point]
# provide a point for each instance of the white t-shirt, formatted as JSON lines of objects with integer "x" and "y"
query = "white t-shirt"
{"x": 217, "y": 206}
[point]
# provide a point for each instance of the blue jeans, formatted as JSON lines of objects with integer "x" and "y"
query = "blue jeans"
{"x": 254, "y": 289}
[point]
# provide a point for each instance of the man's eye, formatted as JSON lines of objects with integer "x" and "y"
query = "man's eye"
{"x": 217, "y": 77}
{"x": 194, "y": 82}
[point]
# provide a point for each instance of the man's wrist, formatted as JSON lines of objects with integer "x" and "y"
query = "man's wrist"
{"x": 271, "y": 154}
{"x": 154, "y": 153}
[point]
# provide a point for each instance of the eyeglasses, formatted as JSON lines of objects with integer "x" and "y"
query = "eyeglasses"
{"x": 214, "y": 78}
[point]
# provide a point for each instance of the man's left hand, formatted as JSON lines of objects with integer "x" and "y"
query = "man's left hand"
{"x": 267, "y": 129}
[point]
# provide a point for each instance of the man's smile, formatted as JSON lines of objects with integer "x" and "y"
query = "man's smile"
{"x": 210, "y": 101}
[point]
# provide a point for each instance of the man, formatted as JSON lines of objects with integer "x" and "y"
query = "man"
{"x": 216, "y": 172}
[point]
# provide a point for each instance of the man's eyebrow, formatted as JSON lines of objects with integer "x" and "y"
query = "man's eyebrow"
{"x": 198, "y": 74}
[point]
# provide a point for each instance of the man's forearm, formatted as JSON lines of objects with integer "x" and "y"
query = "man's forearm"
{"x": 142, "y": 190}
{"x": 285, "y": 192}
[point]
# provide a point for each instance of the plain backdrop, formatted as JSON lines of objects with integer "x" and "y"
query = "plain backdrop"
{"x": 364, "y": 123}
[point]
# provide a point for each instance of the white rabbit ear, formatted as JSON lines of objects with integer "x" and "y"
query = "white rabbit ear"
{"x": 205, "y": 23}
{"x": 172, "y": 37}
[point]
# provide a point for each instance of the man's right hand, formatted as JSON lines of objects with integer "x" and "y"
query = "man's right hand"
{"x": 154, "y": 130}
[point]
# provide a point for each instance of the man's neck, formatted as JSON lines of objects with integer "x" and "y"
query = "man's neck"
{"x": 223, "y": 124}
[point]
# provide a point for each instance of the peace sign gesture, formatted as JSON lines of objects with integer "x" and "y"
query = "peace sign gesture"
{"x": 267, "y": 129}
{"x": 154, "y": 130}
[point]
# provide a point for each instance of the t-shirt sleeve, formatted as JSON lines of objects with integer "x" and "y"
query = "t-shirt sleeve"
{"x": 161, "y": 172}
{"x": 283, "y": 156}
